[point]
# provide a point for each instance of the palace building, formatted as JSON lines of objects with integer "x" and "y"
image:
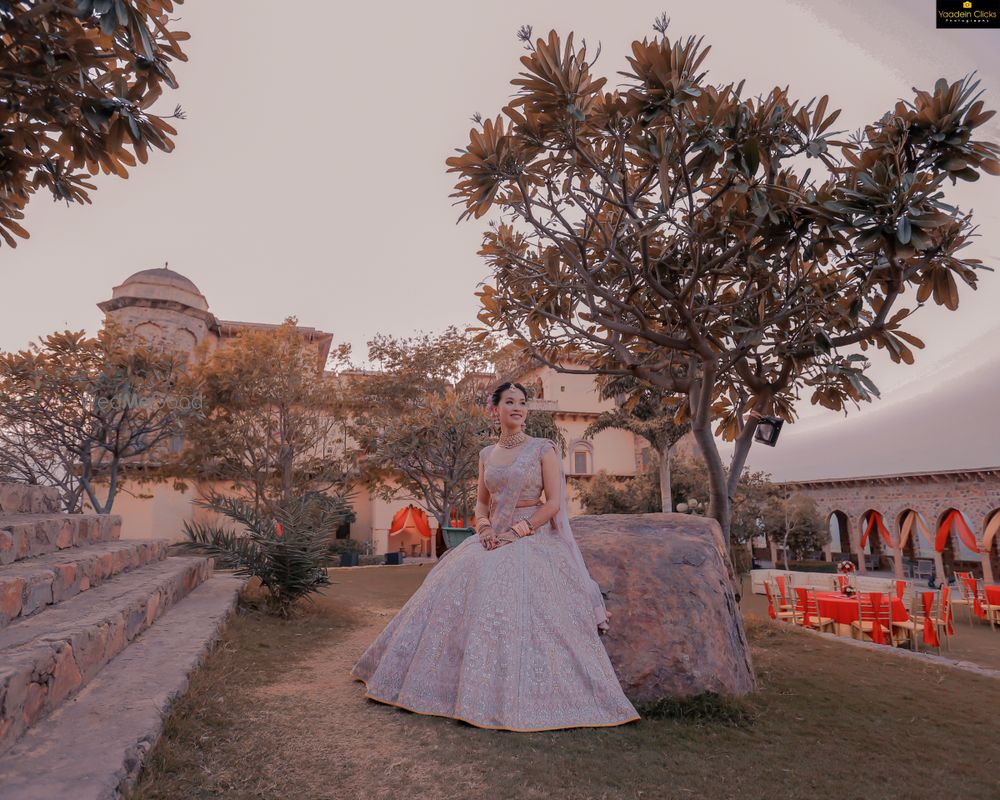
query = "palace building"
{"x": 164, "y": 307}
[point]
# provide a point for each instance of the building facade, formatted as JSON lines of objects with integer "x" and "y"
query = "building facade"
{"x": 165, "y": 308}
{"x": 951, "y": 517}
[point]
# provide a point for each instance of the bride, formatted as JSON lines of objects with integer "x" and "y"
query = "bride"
{"x": 504, "y": 631}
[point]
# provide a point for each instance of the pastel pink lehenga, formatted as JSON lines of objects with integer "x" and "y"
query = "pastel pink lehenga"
{"x": 505, "y": 638}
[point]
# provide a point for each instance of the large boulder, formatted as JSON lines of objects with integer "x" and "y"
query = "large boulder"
{"x": 676, "y": 630}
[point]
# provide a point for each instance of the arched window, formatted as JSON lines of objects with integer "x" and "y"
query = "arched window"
{"x": 582, "y": 457}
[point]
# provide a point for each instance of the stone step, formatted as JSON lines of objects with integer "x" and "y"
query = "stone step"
{"x": 93, "y": 746}
{"x": 23, "y": 498}
{"x": 46, "y": 658}
{"x": 31, "y": 585}
{"x": 28, "y": 535}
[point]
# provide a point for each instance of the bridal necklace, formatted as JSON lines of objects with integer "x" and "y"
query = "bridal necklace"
{"x": 509, "y": 440}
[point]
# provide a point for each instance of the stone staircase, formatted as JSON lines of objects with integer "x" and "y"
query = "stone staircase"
{"x": 97, "y": 637}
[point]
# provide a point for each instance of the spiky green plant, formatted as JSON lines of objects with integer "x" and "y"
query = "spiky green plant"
{"x": 285, "y": 546}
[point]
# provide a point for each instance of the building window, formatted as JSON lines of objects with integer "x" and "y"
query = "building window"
{"x": 583, "y": 454}
{"x": 344, "y": 531}
{"x": 647, "y": 458}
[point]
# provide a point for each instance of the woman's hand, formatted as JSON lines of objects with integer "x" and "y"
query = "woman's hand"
{"x": 522, "y": 528}
{"x": 488, "y": 538}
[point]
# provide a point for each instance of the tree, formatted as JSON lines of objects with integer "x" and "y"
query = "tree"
{"x": 797, "y": 524}
{"x": 757, "y": 500}
{"x": 285, "y": 547}
{"x": 272, "y": 424}
{"x": 431, "y": 453}
{"x": 421, "y": 420}
{"x": 82, "y": 412}
{"x": 667, "y": 232}
{"x": 603, "y": 494}
{"x": 77, "y": 81}
{"x": 646, "y": 413}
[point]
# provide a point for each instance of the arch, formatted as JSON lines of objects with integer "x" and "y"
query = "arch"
{"x": 953, "y": 521}
{"x": 876, "y": 536}
{"x": 840, "y": 532}
{"x": 992, "y": 528}
{"x": 913, "y": 533}
{"x": 956, "y": 543}
{"x": 991, "y": 541}
{"x": 581, "y": 448}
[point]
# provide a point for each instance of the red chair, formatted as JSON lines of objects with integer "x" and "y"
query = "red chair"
{"x": 774, "y": 610}
{"x": 874, "y": 618}
{"x": 992, "y": 605}
{"x": 807, "y": 611}
{"x": 785, "y": 589}
{"x": 969, "y": 595}
{"x": 940, "y": 614}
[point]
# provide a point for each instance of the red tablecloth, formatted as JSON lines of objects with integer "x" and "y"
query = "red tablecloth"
{"x": 844, "y": 610}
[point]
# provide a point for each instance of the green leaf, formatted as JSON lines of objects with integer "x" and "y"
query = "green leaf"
{"x": 751, "y": 156}
{"x": 903, "y": 230}
{"x": 823, "y": 341}
{"x": 869, "y": 385}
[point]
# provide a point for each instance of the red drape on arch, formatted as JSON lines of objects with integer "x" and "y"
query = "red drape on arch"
{"x": 966, "y": 535}
{"x": 411, "y": 516}
{"x": 875, "y": 520}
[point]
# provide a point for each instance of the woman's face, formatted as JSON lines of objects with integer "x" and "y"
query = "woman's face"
{"x": 512, "y": 409}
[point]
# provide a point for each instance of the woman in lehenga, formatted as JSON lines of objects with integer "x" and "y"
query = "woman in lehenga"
{"x": 504, "y": 632}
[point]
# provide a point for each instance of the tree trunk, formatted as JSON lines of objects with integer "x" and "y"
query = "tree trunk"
{"x": 666, "y": 492}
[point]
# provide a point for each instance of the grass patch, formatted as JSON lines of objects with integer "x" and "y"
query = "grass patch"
{"x": 274, "y": 715}
{"x": 707, "y": 708}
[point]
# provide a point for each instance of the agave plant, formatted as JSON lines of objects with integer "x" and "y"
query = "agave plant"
{"x": 285, "y": 546}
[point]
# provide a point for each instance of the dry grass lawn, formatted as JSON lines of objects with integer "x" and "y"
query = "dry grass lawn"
{"x": 274, "y": 714}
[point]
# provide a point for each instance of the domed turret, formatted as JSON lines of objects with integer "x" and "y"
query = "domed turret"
{"x": 162, "y": 306}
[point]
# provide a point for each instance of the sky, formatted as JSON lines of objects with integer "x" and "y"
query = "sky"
{"x": 309, "y": 179}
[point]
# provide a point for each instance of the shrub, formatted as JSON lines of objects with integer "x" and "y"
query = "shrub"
{"x": 286, "y": 548}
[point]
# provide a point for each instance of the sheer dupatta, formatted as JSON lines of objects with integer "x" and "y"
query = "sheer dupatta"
{"x": 502, "y": 511}
{"x": 560, "y": 526}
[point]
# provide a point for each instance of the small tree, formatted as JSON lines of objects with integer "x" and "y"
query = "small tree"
{"x": 272, "y": 424}
{"x": 668, "y": 232}
{"x": 431, "y": 453}
{"x": 602, "y": 494}
{"x": 82, "y": 413}
{"x": 77, "y": 82}
{"x": 285, "y": 546}
{"x": 648, "y": 414}
{"x": 797, "y": 525}
{"x": 421, "y": 419}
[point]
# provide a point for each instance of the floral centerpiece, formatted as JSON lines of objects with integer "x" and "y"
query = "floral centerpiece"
{"x": 846, "y": 569}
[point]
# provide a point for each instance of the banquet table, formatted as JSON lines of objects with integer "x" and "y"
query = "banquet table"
{"x": 843, "y": 609}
